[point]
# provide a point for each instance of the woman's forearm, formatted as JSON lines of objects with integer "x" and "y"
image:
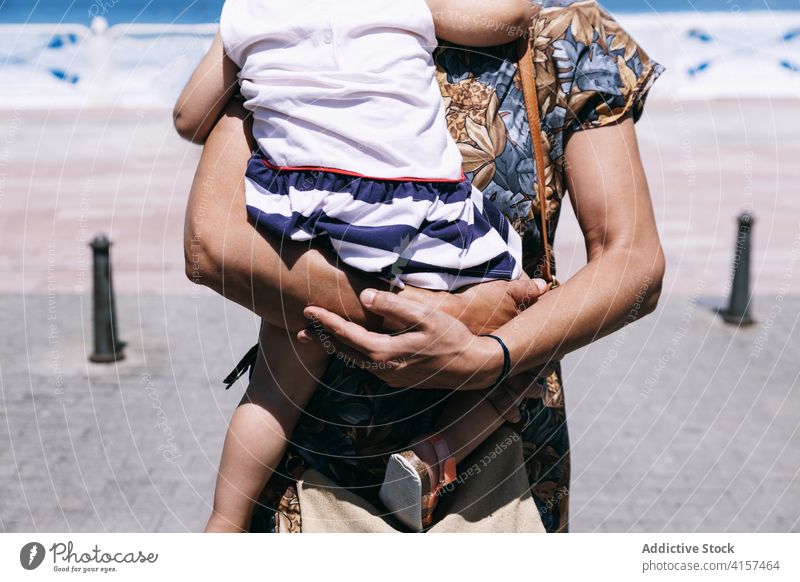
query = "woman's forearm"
{"x": 611, "y": 291}
{"x": 278, "y": 283}
{"x": 622, "y": 279}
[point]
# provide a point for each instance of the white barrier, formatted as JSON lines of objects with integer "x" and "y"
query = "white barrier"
{"x": 722, "y": 55}
{"x": 707, "y": 55}
{"x": 68, "y": 66}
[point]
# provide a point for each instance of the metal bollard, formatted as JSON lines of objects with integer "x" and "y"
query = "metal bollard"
{"x": 738, "y": 310}
{"x": 107, "y": 347}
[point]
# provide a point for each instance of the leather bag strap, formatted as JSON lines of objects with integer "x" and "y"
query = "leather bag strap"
{"x": 525, "y": 70}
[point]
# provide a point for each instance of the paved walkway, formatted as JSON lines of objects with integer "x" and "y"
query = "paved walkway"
{"x": 126, "y": 447}
{"x": 678, "y": 423}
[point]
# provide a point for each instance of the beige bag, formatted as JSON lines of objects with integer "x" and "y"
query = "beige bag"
{"x": 491, "y": 495}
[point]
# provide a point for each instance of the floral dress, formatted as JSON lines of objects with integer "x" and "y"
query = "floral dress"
{"x": 589, "y": 73}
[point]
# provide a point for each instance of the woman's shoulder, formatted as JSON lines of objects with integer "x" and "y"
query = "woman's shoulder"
{"x": 589, "y": 70}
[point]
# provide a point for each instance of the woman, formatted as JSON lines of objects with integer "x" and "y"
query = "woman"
{"x": 590, "y": 76}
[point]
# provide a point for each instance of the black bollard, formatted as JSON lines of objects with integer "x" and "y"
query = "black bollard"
{"x": 738, "y": 310}
{"x": 107, "y": 347}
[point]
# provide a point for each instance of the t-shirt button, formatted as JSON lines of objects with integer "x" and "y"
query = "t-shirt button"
{"x": 327, "y": 37}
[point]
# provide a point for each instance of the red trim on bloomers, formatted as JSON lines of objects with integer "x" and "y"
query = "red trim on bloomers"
{"x": 272, "y": 166}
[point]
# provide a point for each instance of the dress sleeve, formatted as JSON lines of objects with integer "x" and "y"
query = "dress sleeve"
{"x": 599, "y": 72}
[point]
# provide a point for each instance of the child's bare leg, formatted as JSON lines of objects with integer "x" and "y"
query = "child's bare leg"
{"x": 285, "y": 376}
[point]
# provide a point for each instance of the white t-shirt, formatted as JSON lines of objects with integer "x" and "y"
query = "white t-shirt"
{"x": 346, "y": 84}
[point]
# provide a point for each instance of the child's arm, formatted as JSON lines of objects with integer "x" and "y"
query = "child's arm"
{"x": 481, "y": 22}
{"x": 209, "y": 89}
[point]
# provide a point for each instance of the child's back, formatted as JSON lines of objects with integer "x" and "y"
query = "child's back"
{"x": 348, "y": 84}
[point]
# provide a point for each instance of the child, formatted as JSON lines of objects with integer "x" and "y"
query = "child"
{"x": 354, "y": 151}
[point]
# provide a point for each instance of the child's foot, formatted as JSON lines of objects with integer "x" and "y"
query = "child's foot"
{"x": 414, "y": 480}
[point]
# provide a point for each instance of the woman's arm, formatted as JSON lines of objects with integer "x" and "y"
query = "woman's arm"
{"x": 620, "y": 283}
{"x": 226, "y": 253}
{"x": 481, "y": 23}
{"x": 209, "y": 89}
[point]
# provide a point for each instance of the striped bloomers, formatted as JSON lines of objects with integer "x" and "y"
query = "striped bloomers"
{"x": 434, "y": 234}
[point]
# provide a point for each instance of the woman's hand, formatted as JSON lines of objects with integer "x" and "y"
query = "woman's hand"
{"x": 431, "y": 349}
{"x": 485, "y": 307}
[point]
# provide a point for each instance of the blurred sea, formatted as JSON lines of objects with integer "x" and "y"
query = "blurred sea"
{"x": 139, "y": 53}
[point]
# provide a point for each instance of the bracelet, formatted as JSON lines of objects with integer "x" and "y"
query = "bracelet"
{"x": 506, "y": 360}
